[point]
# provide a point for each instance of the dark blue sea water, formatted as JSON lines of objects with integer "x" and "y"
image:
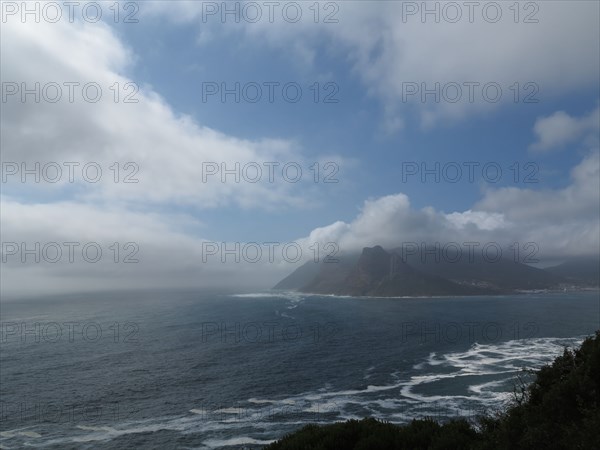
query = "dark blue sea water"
{"x": 192, "y": 370}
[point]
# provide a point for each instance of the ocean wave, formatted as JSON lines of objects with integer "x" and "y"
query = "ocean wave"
{"x": 244, "y": 440}
{"x": 286, "y": 295}
{"x": 20, "y": 432}
{"x": 483, "y": 374}
{"x": 502, "y": 361}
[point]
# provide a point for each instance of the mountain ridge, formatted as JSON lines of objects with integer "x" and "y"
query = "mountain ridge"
{"x": 376, "y": 272}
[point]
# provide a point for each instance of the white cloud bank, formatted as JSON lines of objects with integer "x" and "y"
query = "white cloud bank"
{"x": 563, "y": 222}
{"x": 168, "y": 148}
{"x": 553, "y": 45}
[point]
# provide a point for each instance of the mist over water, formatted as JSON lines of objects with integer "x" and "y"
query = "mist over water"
{"x": 199, "y": 370}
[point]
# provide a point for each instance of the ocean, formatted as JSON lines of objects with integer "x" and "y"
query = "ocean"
{"x": 214, "y": 370}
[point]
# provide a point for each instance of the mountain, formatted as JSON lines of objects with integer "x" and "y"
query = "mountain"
{"x": 379, "y": 273}
{"x": 331, "y": 276}
{"x": 300, "y": 277}
{"x": 504, "y": 274}
{"x": 580, "y": 271}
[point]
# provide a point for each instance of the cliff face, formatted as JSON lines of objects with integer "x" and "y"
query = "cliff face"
{"x": 378, "y": 273}
{"x": 369, "y": 273}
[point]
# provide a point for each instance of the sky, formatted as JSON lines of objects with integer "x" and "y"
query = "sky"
{"x": 210, "y": 144}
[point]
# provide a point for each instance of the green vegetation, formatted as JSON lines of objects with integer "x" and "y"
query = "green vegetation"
{"x": 560, "y": 409}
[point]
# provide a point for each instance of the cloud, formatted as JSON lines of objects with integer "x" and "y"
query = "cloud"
{"x": 390, "y": 221}
{"x": 559, "y": 129}
{"x": 387, "y": 48}
{"x": 171, "y": 150}
{"x": 562, "y": 222}
{"x": 73, "y": 247}
{"x": 481, "y": 220}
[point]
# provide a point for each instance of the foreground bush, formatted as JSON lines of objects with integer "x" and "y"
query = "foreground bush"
{"x": 560, "y": 409}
